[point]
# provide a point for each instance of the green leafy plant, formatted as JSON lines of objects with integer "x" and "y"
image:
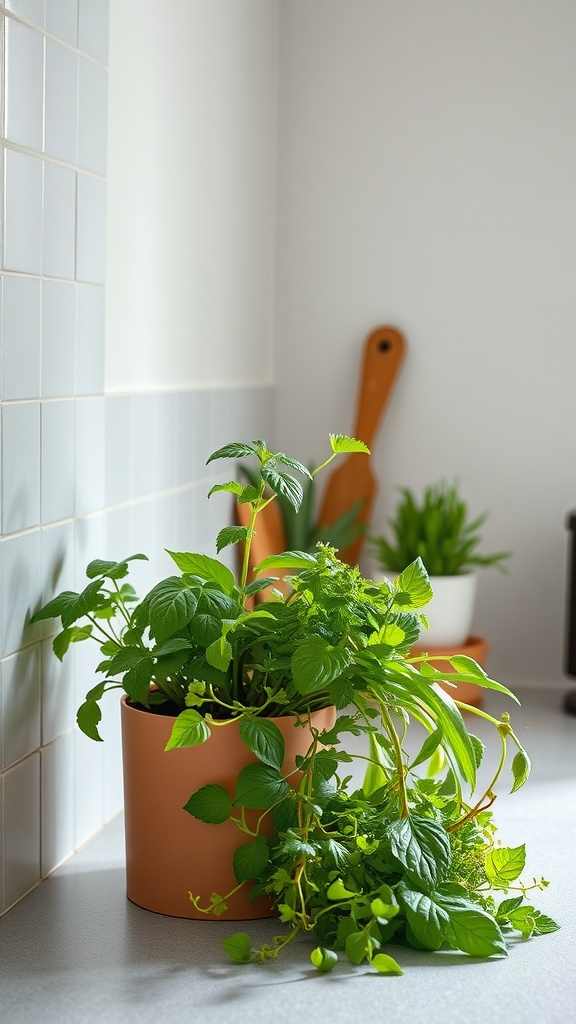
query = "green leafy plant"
{"x": 436, "y": 529}
{"x": 302, "y": 527}
{"x": 401, "y": 859}
{"x": 396, "y": 858}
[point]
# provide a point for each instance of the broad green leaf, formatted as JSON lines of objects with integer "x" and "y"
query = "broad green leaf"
{"x": 264, "y": 739}
{"x": 384, "y": 910}
{"x": 412, "y": 692}
{"x": 316, "y": 664}
{"x": 504, "y": 864}
{"x": 338, "y": 891}
{"x": 284, "y": 484}
{"x": 428, "y": 920}
{"x": 478, "y": 748}
{"x": 469, "y": 671}
{"x": 543, "y": 925}
{"x": 393, "y": 635}
{"x": 211, "y": 804}
{"x": 293, "y": 846}
{"x": 323, "y": 959}
{"x": 178, "y": 643}
{"x": 72, "y": 635}
{"x": 257, "y": 585}
{"x": 293, "y": 464}
{"x": 250, "y": 859}
{"x": 172, "y": 604}
{"x": 232, "y": 535}
{"x": 386, "y": 964}
{"x": 475, "y": 932}
{"x": 422, "y": 846}
{"x": 341, "y": 444}
{"x": 359, "y": 946}
{"x": 127, "y": 657}
{"x": 520, "y": 769}
{"x": 205, "y": 567}
{"x": 412, "y": 589}
{"x": 88, "y": 717}
{"x": 238, "y": 947}
{"x": 233, "y": 487}
{"x": 136, "y": 681}
{"x": 111, "y": 570}
{"x": 507, "y": 906}
{"x": 235, "y": 450}
{"x": 219, "y": 905}
{"x": 287, "y": 560}
{"x": 57, "y": 607}
{"x": 189, "y": 730}
{"x": 259, "y": 787}
{"x": 248, "y": 494}
{"x": 428, "y": 747}
{"x": 219, "y": 654}
{"x": 86, "y": 602}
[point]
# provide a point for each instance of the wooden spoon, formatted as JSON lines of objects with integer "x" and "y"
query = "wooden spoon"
{"x": 353, "y": 479}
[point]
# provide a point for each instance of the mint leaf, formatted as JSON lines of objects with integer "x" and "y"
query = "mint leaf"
{"x": 428, "y": 920}
{"x": 504, "y": 864}
{"x": 206, "y": 568}
{"x": 287, "y": 560}
{"x": 342, "y": 444}
{"x": 283, "y": 484}
{"x": 238, "y": 947}
{"x": 88, "y": 717}
{"x": 235, "y": 450}
{"x": 422, "y": 847}
{"x": 316, "y": 664}
{"x": 520, "y": 769}
{"x": 250, "y": 859}
{"x": 259, "y": 787}
{"x": 264, "y": 739}
{"x": 211, "y": 804}
{"x": 189, "y": 730}
{"x": 474, "y": 932}
{"x": 232, "y": 535}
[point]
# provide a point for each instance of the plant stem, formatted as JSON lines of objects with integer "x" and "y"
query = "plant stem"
{"x": 404, "y": 812}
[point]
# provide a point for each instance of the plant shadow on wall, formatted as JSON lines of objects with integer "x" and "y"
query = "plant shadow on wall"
{"x": 410, "y": 855}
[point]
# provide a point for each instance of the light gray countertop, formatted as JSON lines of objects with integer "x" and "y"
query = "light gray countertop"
{"x": 75, "y": 950}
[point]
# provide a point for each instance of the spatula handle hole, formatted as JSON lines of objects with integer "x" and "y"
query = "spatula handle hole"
{"x": 384, "y": 346}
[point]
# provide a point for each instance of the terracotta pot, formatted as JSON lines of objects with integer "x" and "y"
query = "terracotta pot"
{"x": 168, "y": 852}
{"x": 475, "y": 648}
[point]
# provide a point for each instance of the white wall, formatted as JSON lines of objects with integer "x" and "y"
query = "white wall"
{"x": 192, "y": 143}
{"x": 426, "y": 179}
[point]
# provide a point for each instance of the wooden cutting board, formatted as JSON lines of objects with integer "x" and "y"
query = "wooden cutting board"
{"x": 353, "y": 479}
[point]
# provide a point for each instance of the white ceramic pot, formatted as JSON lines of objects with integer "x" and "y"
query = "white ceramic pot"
{"x": 450, "y": 611}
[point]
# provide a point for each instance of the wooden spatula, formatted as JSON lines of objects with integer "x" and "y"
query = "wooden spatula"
{"x": 353, "y": 479}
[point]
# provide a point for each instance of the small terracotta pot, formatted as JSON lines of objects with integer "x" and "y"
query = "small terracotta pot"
{"x": 475, "y": 648}
{"x": 168, "y": 852}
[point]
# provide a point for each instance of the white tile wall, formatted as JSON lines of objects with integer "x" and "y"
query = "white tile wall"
{"x": 84, "y": 475}
{"x": 21, "y": 338}
{"x": 58, "y": 454}
{"x": 24, "y": 85}
{"x": 61, "y": 112}
{"x": 59, "y": 221}
{"x": 23, "y": 212}
{"x": 58, "y": 339}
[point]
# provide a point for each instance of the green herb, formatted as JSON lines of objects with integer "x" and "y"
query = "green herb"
{"x": 405, "y": 858}
{"x": 436, "y": 529}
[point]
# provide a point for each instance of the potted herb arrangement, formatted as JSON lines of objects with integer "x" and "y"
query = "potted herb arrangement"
{"x": 301, "y": 680}
{"x": 437, "y": 528}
